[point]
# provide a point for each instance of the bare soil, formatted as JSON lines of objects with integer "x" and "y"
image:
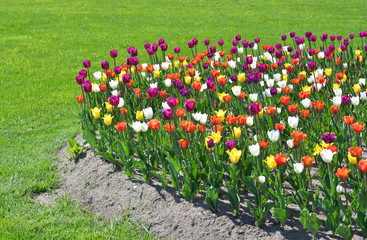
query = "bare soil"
{"x": 109, "y": 193}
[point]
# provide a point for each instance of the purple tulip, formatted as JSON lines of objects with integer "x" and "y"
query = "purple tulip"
{"x": 154, "y": 47}
{"x": 237, "y": 37}
{"x": 164, "y": 47}
{"x": 233, "y": 50}
{"x": 245, "y": 67}
{"x": 233, "y": 78}
{"x": 331, "y": 48}
{"x": 220, "y": 42}
{"x": 146, "y": 45}
{"x": 134, "y": 52}
{"x": 180, "y": 85}
{"x": 273, "y": 91}
{"x": 283, "y": 37}
{"x": 160, "y": 41}
{"x": 313, "y": 38}
{"x": 105, "y": 65}
{"x": 79, "y": 79}
{"x": 189, "y": 106}
{"x": 177, "y": 49}
{"x": 278, "y": 54}
{"x": 126, "y": 78}
{"x": 339, "y": 38}
{"x": 298, "y": 52}
{"x": 206, "y": 42}
{"x": 257, "y": 40}
{"x": 308, "y": 34}
{"x": 150, "y": 51}
{"x": 86, "y": 63}
{"x": 210, "y": 84}
{"x": 114, "y": 100}
{"x": 351, "y": 36}
{"x": 365, "y": 47}
{"x": 153, "y": 92}
{"x": 129, "y": 49}
{"x": 212, "y": 49}
{"x": 87, "y": 87}
{"x": 343, "y": 47}
{"x": 171, "y": 101}
{"x": 253, "y": 108}
{"x": 189, "y": 65}
{"x": 210, "y": 143}
{"x": 244, "y": 43}
{"x": 294, "y": 56}
{"x": 167, "y": 114}
{"x": 251, "y": 45}
{"x": 278, "y": 46}
{"x": 230, "y": 144}
{"x": 289, "y": 49}
{"x": 271, "y": 50}
{"x": 332, "y": 38}
{"x": 83, "y": 72}
{"x": 113, "y": 53}
{"x": 262, "y": 67}
{"x": 117, "y": 70}
{"x": 190, "y": 44}
{"x": 249, "y": 59}
{"x": 205, "y": 66}
{"x": 184, "y": 92}
{"x": 292, "y": 34}
{"x": 345, "y": 100}
{"x": 311, "y": 65}
{"x": 194, "y": 41}
{"x": 329, "y": 137}
{"x": 234, "y": 42}
{"x": 135, "y": 61}
{"x": 327, "y": 52}
{"x": 360, "y": 34}
{"x": 324, "y": 36}
{"x": 311, "y": 52}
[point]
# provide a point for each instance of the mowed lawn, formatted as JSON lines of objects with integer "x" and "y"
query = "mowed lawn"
{"x": 42, "y": 45}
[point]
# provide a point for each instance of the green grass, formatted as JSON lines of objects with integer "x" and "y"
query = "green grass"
{"x": 43, "y": 44}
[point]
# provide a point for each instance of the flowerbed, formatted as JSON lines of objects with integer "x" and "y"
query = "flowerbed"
{"x": 253, "y": 118}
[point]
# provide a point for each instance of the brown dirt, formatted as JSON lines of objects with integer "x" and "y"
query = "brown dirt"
{"x": 110, "y": 194}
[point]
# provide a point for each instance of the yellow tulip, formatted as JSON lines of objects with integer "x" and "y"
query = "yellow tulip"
{"x": 360, "y": 58}
{"x": 109, "y": 107}
{"x": 96, "y": 112}
{"x": 221, "y": 95}
{"x": 157, "y": 73}
{"x": 344, "y": 78}
{"x": 307, "y": 88}
{"x": 234, "y": 155}
{"x": 352, "y": 160}
{"x": 187, "y": 79}
{"x": 261, "y": 113}
{"x": 104, "y": 77}
{"x": 358, "y": 52}
{"x": 328, "y": 71}
{"x": 317, "y": 150}
{"x": 108, "y": 119}
{"x": 184, "y": 63}
{"x": 177, "y": 64}
{"x": 132, "y": 70}
{"x": 265, "y": 58}
{"x": 302, "y": 73}
{"x": 336, "y": 86}
{"x": 357, "y": 89}
{"x": 271, "y": 162}
{"x": 237, "y": 132}
{"x": 285, "y": 77}
{"x": 139, "y": 115}
{"x": 216, "y": 137}
{"x": 220, "y": 114}
{"x": 241, "y": 77}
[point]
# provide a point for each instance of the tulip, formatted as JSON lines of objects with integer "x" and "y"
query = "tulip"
{"x": 345, "y": 100}
{"x": 139, "y": 115}
{"x": 154, "y": 124}
{"x": 363, "y": 165}
{"x": 262, "y": 179}
{"x": 355, "y": 151}
{"x": 307, "y": 161}
{"x": 96, "y": 112}
{"x": 121, "y": 126}
{"x": 236, "y": 90}
{"x": 342, "y": 173}
{"x": 280, "y": 159}
{"x": 293, "y": 122}
{"x": 329, "y": 137}
{"x": 274, "y": 135}
{"x": 348, "y": 119}
{"x": 108, "y": 119}
{"x": 254, "y": 150}
{"x": 148, "y": 113}
{"x": 337, "y": 100}
{"x": 355, "y": 101}
{"x": 250, "y": 121}
{"x": 234, "y": 155}
{"x": 237, "y": 132}
{"x": 339, "y": 189}
{"x": 358, "y": 127}
{"x": 352, "y": 160}
{"x": 230, "y": 144}
{"x": 184, "y": 143}
{"x": 216, "y": 137}
{"x": 298, "y": 168}
{"x": 271, "y": 162}
{"x": 189, "y": 106}
{"x": 327, "y": 155}
{"x": 253, "y": 109}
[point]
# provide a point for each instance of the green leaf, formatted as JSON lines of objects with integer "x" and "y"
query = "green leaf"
{"x": 211, "y": 198}
{"x": 73, "y": 142}
{"x": 313, "y": 223}
{"x": 281, "y": 214}
{"x": 345, "y": 231}
{"x": 107, "y": 156}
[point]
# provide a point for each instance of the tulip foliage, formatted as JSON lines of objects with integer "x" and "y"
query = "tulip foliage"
{"x": 251, "y": 119}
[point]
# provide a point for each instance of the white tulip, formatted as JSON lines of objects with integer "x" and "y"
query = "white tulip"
{"x": 148, "y": 113}
{"x": 144, "y": 127}
{"x": 290, "y": 143}
{"x": 293, "y": 122}
{"x": 236, "y": 90}
{"x": 115, "y": 93}
{"x": 362, "y": 81}
{"x": 279, "y": 90}
{"x": 96, "y": 88}
{"x": 97, "y": 75}
{"x": 232, "y": 64}
{"x": 144, "y": 65}
{"x": 301, "y": 46}
{"x": 261, "y": 83}
{"x": 266, "y": 77}
{"x": 267, "y": 92}
{"x": 203, "y": 118}
{"x": 196, "y": 116}
{"x": 282, "y": 84}
{"x": 320, "y": 72}
{"x": 285, "y": 48}
{"x": 113, "y": 84}
{"x": 240, "y": 50}
{"x": 143, "y": 74}
{"x": 253, "y": 97}
{"x": 262, "y": 179}
{"x": 306, "y": 103}
{"x": 274, "y": 135}
{"x": 156, "y": 67}
{"x": 165, "y": 105}
{"x": 165, "y": 66}
{"x": 277, "y": 77}
{"x": 121, "y": 103}
{"x": 153, "y": 85}
{"x": 337, "y": 100}
{"x": 254, "y": 149}
{"x": 321, "y": 55}
{"x": 338, "y": 92}
{"x": 270, "y": 83}
{"x": 253, "y": 64}
{"x": 136, "y": 126}
{"x": 363, "y": 95}
{"x": 355, "y": 100}
{"x": 255, "y": 47}
{"x": 279, "y": 110}
{"x": 345, "y": 65}
{"x": 339, "y": 189}
{"x": 327, "y": 155}
{"x": 250, "y": 121}
{"x": 203, "y": 87}
{"x": 298, "y": 167}
{"x": 168, "y": 82}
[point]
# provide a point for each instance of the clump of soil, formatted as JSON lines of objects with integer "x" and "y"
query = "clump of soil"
{"x": 108, "y": 192}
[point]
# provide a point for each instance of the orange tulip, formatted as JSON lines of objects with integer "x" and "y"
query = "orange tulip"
{"x": 285, "y": 100}
{"x": 334, "y": 109}
{"x": 295, "y": 81}
{"x": 348, "y": 119}
{"x": 169, "y": 127}
{"x": 303, "y": 95}
{"x": 215, "y": 120}
{"x": 137, "y": 92}
{"x": 200, "y": 128}
{"x": 121, "y": 126}
{"x": 222, "y": 80}
{"x": 270, "y": 110}
{"x": 355, "y": 151}
{"x": 123, "y": 111}
{"x": 318, "y": 105}
{"x": 307, "y": 161}
{"x": 305, "y": 113}
{"x": 280, "y": 159}
{"x": 227, "y": 98}
{"x": 180, "y": 112}
{"x": 358, "y": 127}
{"x": 218, "y": 128}
{"x": 342, "y": 173}
{"x": 196, "y": 85}
{"x": 102, "y": 87}
{"x": 231, "y": 119}
{"x": 242, "y": 95}
{"x": 279, "y": 126}
{"x": 80, "y": 98}
{"x": 163, "y": 94}
{"x": 263, "y": 144}
{"x": 154, "y": 124}
{"x": 333, "y": 148}
{"x": 363, "y": 165}
{"x": 241, "y": 120}
{"x": 189, "y": 126}
{"x": 215, "y": 73}
{"x": 298, "y": 136}
{"x": 184, "y": 143}
{"x": 286, "y": 90}
{"x": 292, "y": 108}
